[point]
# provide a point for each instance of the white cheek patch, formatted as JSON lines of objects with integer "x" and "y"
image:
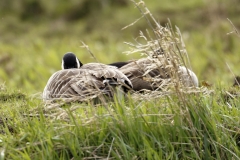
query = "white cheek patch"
{"x": 62, "y": 64}
{"x": 78, "y": 64}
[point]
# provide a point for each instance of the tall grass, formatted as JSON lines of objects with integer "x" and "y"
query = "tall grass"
{"x": 180, "y": 126}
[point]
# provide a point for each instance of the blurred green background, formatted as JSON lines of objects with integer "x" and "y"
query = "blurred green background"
{"x": 34, "y": 35}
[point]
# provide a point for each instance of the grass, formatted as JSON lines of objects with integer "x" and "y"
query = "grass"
{"x": 195, "y": 125}
{"x": 27, "y": 48}
{"x": 181, "y": 126}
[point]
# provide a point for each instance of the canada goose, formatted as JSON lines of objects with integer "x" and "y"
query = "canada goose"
{"x": 79, "y": 81}
{"x": 139, "y": 71}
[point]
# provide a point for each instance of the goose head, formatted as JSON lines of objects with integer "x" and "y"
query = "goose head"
{"x": 70, "y": 60}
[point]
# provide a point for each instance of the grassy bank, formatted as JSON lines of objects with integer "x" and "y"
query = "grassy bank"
{"x": 181, "y": 124}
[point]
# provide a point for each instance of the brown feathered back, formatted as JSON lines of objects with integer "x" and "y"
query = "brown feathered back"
{"x": 90, "y": 80}
{"x": 148, "y": 73}
{"x": 141, "y": 71}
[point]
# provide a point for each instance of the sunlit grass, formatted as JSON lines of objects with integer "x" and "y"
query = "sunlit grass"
{"x": 174, "y": 126}
{"x": 198, "y": 126}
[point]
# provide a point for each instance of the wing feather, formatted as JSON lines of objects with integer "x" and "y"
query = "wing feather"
{"x": 82, "y": 82}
